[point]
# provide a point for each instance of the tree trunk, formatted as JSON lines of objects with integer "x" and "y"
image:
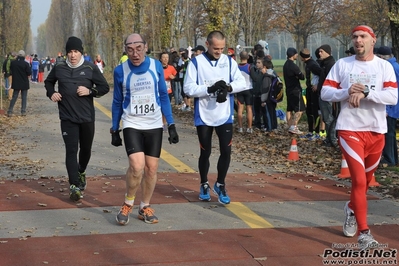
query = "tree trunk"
{"x": 393, "y": 21}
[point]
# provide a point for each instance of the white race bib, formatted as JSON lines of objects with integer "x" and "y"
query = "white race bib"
{"x": 142, "y": 104}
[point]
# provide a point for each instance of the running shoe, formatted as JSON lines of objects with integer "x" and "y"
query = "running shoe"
{"x": 82, "y": 181}
{"x": 146, "y": 214}
{"x": 249, "y": 130}
{"x": 204, "y": 192}
{"x": 366, "y": 241}
{"x": 323, "y": 135}
{"x": 123, "y": 215}
{"x": 221, "y": 193}
{"x": 294, "y": 130}
{"x": 350, "y": 226}
{"x": 307, "y": 136}
{"x": 74, "y": 193}
{"x": 240, "y": 130}
{"x": 314, "y": 137}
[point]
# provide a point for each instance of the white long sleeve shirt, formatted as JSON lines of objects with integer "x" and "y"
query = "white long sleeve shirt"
{"x": 202, "y": 73}
{"x": 379, "y": 76}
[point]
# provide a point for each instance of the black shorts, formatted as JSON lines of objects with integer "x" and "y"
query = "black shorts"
{"x": 295, "y": 102}
{"x": 148, "y": 141}
{"x": 245, "y": 97}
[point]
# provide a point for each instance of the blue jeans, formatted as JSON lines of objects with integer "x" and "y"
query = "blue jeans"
{"x": 177, "y": 92}
{"x": 24, "y": 96}
{"x": 390, "y": 151}
{"x": 6, "y": 83}
{"x": 34, "y": 74}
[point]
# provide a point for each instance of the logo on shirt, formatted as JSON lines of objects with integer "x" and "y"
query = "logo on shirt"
{"x": 82, "y": 73}
{"x": 353, "y": 137}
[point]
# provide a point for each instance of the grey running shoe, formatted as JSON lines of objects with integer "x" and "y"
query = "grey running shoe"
{"x": 239, "y": 130}
{"x": 294, "y": 130}
{"x": 146, "y": 214}
{"x": 249, "y": 130}
{"x": 82, "y": 181}
{"x": 366, "y": 241}
{"x": 123, "y": 215}
{"x": 350, "y": 226}
{"x": 74, "y": 193}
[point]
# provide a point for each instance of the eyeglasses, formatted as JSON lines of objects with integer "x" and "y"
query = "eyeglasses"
{"x": 137, "y": 48}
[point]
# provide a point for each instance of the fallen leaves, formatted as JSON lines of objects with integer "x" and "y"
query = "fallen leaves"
{"x": 268, "y": 152}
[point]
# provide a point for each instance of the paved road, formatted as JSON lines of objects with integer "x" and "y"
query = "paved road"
{"x": 274, "y": 218}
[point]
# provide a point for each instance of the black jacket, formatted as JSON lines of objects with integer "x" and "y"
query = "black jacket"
{"x": 326, "y": 66}
{"x": 20, "y": 71}
{"x": 292, "y": 75}
{"x": 72, "y": 107}
{"x": 311, "y": 67}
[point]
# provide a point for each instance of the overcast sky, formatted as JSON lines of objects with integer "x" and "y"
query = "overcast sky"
{"x": 39, "y": 13}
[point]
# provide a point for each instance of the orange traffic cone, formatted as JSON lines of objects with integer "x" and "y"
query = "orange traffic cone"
{"x": 373, "y": 182}
{"x": 344, "y": 169}
{"x": 293, "y": 155}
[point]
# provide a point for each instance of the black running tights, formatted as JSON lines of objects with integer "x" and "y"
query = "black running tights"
{"x": 225, "y": 135}
{"x": 77, "y": 137}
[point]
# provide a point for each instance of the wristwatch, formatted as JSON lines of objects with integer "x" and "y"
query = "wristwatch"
{"x": 366, "y": 92}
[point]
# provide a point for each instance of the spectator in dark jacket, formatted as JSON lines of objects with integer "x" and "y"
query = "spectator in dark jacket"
{"x": 78, "y": 84}
{"x": 312, "y": 96}
{"x": 20, "y": 71}
{"x": 326, "y": 108}
{"x": 293, "y": 89}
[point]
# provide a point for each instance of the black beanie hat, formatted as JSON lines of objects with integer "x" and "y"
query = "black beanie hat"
{"x": 74, "y": 43}
{"x": 291, "y": 52}
{"x": 326, "y": 48}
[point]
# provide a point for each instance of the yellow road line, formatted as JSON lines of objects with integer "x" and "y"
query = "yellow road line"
{"x": 103, "y": 109}
{"x": 176, "y": 163}
{"x": 166, "y": 156}
{"x": 248, "y": 216}
{"x": 240, "y": 210}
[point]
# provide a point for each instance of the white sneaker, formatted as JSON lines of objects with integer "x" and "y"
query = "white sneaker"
{"x": 350, "y": 225}
{"x": 249, "y": 130}
{"x": 294, "y": 130}
{"x": 366, "y": 241}
{"x": 239, "y": 130}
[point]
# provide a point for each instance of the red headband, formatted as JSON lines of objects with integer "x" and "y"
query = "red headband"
{"x": 364, "y": 28}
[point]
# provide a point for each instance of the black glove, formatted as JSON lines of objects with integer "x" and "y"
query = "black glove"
{"x": 173, "y": 137}
{"x": 116, "y": 138}
{"x": 217, "y": 86}
{"x": 222, "y": 95}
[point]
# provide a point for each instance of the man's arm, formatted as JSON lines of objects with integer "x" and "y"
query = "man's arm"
{"x": 314, "y": 67}
{"x": 190, "y": 87}
{"x": 101, "y": 83}
{"x": 49, "y": 83}
{"x": 117, "y": 102}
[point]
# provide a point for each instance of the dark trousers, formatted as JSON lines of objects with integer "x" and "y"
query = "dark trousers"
{"x": 390, "y": 151}
{"x": 24, "y": 99}
{"x": 271, "y": 115}
{"x": 78, "y": 138}
{"x": 312, "y": 110}
{"x": 225, "y": 135}
{"x": 260, "y": 113}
